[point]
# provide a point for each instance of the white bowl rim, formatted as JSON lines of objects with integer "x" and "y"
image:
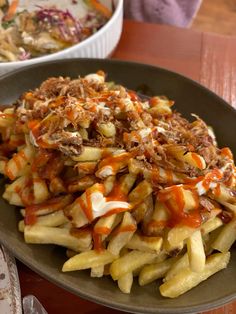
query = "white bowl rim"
{"x": 69, "y": 49}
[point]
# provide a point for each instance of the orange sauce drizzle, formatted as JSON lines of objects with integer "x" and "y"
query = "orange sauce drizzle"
{"x": 216, "y": 191}
{"x": 193, "y": 181}
{"x": 153, "y": 101}
{"x": 226, "y": 152}
{"x": 173, "y": 198}
{"x": 16, "y": 143}
{"x": 97, "y": 242}
{"x": 117, "y": 194}
{"x": 70, "y": 115}
{"x": 155, "y": 175}
{"x": 41, "y": 159}
{"x": 60, "y": 100}
{"x": 230, "y": 181}
{"x": 86, "y": 168}
{"x": 102, "y": 230}
{"x": 115, "y": 161}
{"x": 25, "y": 193}
{"x": 169, "y": 176}
{"x": 16, "y": 159}
{"x": 83, "y": 206}
{"x": 30, "y": 219}
{"x": 215, "y": 174}
{"x": 8, "y": 172}
{"x": 133, "y": 96}
{"x": 33, "y": 125}
{"x": 128, "y": 228}
{"x": 56, "y": 203}
{"x": 197, "y": 160}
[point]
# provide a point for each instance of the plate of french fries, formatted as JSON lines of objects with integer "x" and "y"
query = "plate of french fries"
{"x": 118, "y": 183}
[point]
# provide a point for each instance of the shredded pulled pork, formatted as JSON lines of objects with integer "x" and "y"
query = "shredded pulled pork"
{"x": 67, "y": 115}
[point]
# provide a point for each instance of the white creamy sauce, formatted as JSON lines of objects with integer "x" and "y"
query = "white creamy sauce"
{"x": 200, "y": 188}
{"x": 100, "y": 206}
{"x": 104, "y": 172}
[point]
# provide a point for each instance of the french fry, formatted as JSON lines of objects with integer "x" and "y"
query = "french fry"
{"x": 40, "y": 189}
{"x": 169, "y": 247}
{"x": 125, "y": 282}
{"x": 193, "y": 159}
{"x": 135, "y": 166}
{"x": 105, "y": 225}
{"x": 97, "y": 271}
{"x": 223, "y": 195}
{"x": 231, "y": 207}
{"x": 3, "y": 166}
{"x": 130, "y": 262}
{"x": 122, "y": 235}
{"x": 155, "y": 271}
{"x": 210, "y": 239}
{"x": 19, "y": 161}
{"x": 189, "y": 197}
{"x": 107, "y": 129}
{"x": 211, "y": 225}
{"x": 178, "y": 234}
{"x": 180, "y": 263}
{"x": 110, "y": 166}
{"x": 50, "y": 206}
{"x": 86, "y": 167}
{"x": 145, "y": 244}
{"x": 93, "y": 153}
{"x": 109, "y": 184}
{"x": 140, "y": 211}
{"x": 160, "y": 175}
{"x": 226, "y": 237}
{"x": 10, "y": 193}
{"x": 140, "y": 192}
{"x": 89, "y": 259}
{"x": 160, "y": 106}
{"x": 21, "y": 226}
{"x": 57, "y": 186}
{"x": 196, "y": 254}
{"x": 81, "y": 184}
{"x": 84, "y": 133}
{"x": 7, "y": 118}
{"x": 53, "y": 219}
{"x": 50, "y": 235}
{"x": 186, "y": 279}
{"x": 159, "y": 219}
{"x": 126, "y": 182}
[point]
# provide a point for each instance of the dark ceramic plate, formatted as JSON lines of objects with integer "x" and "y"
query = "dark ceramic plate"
{"x": 47, "y": 260}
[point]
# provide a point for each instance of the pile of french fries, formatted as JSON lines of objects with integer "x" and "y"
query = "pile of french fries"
{"x": 114, "y": 216}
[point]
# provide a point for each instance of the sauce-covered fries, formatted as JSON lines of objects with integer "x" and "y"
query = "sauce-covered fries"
{"x": 127, "y": 186}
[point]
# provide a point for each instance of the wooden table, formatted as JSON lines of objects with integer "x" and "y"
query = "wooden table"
{"x": 207, "y": 58}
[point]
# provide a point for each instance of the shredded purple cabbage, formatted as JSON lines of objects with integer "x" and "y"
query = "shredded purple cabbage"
{"x": 56, "y": 17}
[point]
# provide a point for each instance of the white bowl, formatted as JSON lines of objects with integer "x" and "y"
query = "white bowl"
{"x": 99, "y": 45}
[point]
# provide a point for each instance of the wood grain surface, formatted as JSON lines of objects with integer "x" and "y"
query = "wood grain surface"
{"x": 206, "y": 58}
{"x": 218, "y": 16}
